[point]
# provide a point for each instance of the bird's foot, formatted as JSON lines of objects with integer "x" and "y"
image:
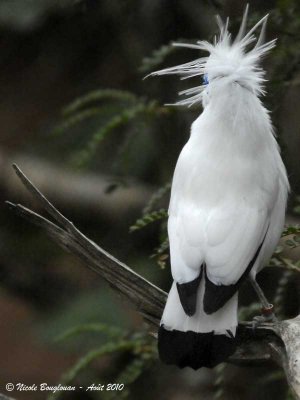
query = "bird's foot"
{"x": 267, "y": 315}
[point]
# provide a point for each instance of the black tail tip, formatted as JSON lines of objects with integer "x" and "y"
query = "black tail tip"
{"x": 193, "y": 349}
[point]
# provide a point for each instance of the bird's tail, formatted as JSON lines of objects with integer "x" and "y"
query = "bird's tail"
{"x": 201, "y": 340}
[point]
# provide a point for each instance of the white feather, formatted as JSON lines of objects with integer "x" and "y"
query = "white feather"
{"x": 230, "y": 185}
{"x": 225, "y": 186}
{"x": 220, "y": 322}
{"x": 226, "y": 61}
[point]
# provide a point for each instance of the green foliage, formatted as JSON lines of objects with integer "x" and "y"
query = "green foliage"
{"x": 279, "y": 258}
{"x": 281, "y": 292}
{"x": 79, "y": 117}
{"x": 293, "y": 242}
{"x": 88, "y": 358}
{"x": 108, "y": 330}
{"x": 284, "y": 262}
{"x": 139, "y": 346}
{"x": 219, "y": 382}
{"x": 161, "y": 253}
{"x": 157, "y": 57}
{"x": 99, "y": 95}
{"x": 144, "y": 355}
{"x": 291, "y": 230}
{"x": 156, "y": 197}
{"x": 294, "y": 236}
{"x": 114, "y": 123}
{"x": 103, "y": 113}
{"x": 149, "y": 219}
{"x": 104, "y": 103}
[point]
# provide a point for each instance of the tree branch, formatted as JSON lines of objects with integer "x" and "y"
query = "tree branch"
{"x": 278, "y": 342}
{"x": 84, "y": 191}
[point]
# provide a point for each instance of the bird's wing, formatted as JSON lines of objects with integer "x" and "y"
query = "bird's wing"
{"x": 186, "y": 257}
{"x": 227, "y": 240}
{"x": 233, "y": 248}
{"x": 233, "y": 235}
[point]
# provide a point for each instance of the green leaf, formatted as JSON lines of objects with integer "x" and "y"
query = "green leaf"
{"x": 116, "y": 122}
{"x": 96, "y": 327}
{"x": 97, "y": 95}
{"x": 284, "y": 262}
{"x": 76, "y": 119}
{"x": 88, "y": 358}
{"x": 157, "y": 57}
{"x": 130, "y": 374}
{"x": 156, "y": 197}
{"x": 149, "y": 219}
{"x": 291, "y": 229}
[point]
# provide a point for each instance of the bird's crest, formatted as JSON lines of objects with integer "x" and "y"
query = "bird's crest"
{"x": 228, "y": 60}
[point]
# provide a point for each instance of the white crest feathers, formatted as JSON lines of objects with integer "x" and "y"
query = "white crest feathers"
{"x": 228, "y": 59}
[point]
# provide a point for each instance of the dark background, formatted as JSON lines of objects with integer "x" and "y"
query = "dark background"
{"x": 52, "y": 53}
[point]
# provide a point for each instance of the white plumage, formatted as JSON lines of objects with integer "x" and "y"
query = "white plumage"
{"x": 229, "y": 189}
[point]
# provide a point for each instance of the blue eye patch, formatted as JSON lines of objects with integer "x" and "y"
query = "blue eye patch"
{"x": 205, "y": 79}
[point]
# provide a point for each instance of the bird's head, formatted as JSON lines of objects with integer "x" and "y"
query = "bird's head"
{"x": 229, "y": 62}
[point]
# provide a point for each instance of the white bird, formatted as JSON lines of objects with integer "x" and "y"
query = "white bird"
{"x": 228, "y": 199}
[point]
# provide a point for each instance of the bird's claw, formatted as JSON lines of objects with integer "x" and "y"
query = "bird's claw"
{"x": 267, "y": 316}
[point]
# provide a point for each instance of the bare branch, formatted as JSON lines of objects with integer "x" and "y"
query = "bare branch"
{"x": 270, "y": 342}
{"x": 81, "y": 191}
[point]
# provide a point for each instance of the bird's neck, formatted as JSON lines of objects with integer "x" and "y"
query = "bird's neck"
{"x": 236, "y": 120}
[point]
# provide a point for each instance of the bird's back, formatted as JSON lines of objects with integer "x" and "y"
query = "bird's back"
{"x": 228, "y": 179}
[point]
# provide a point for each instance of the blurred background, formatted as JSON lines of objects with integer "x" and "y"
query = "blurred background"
{"x": 80, "y": 121}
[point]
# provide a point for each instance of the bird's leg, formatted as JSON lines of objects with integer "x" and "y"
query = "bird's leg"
{"x": 267, "y": 308}
{"x": 264, "y": 302}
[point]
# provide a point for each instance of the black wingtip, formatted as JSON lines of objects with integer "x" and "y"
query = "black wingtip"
{"x": 188, "y": 295}
{"x": 194, "y": 349}
{"x": 215, "y": 296}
